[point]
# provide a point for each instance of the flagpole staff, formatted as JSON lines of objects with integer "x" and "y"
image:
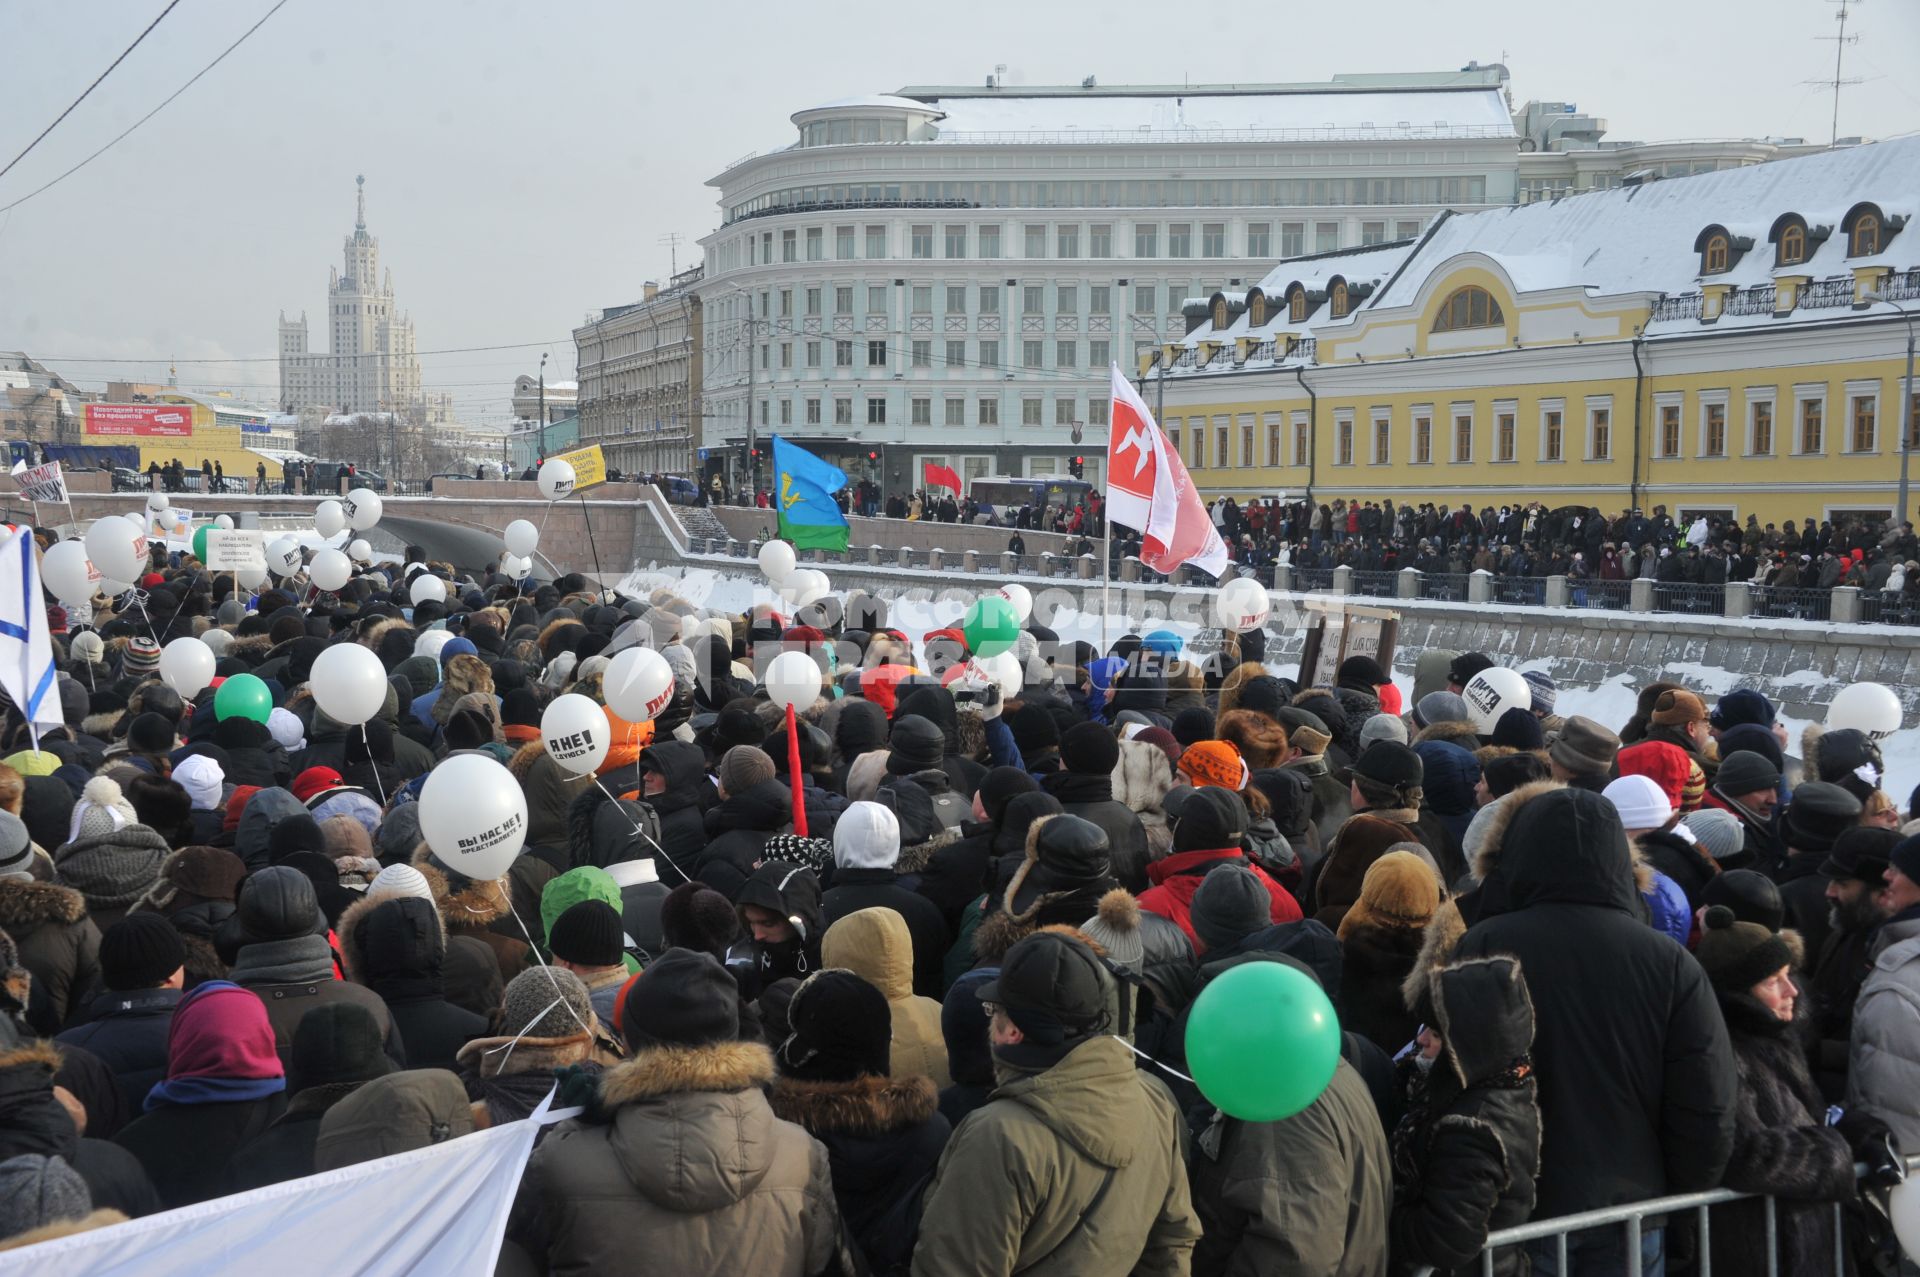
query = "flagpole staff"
{"x": 591, "y": 543}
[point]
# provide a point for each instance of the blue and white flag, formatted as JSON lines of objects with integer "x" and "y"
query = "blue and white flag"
{"x": 26, "y": 653}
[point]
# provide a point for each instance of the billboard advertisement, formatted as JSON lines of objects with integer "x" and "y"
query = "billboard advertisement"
{"x": 160, "y": 420}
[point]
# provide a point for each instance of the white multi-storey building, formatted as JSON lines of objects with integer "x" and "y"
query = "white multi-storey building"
{"x": 371, "y": 365}
{"x": 944, "y": 274}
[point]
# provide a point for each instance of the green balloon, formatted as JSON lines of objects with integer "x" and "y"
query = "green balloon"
{"x": 1262, "y": 1041}
{"x": 991, "y": 626}
{"x": 200, "y": 542}
{"x": 242, "y": 696}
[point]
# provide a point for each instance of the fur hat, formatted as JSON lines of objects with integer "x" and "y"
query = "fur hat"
{"x": 1399, "y": 890}
{"x": 1677, "y": 708}
{"x": 695, "y": 916}
{"x": 840, "y": 1028}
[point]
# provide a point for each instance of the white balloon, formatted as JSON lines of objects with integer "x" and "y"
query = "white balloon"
{"x": 556, "y": 479}
{"x": 1242, "y": 604}
{"x": 349, "y": 683}
{"x": 250, "y": 577}
{"x": 793, "y": 679}
{"x": 1021, "y": 598}
{"x": 117, "y": 551}
{"x": 140, "y": 520}
{"x": 473, "y": 815}
{"x": 521, "y": 538}
{"x": 1868, "y": 707}
{"x": 330, "y": 570}
{"x": 777, "y": 561}
{"x": 67, "y": 572}
{"x": 359, "y": 551}
{"x": 1002, "y": 668}
{"x": 329, "y": 518}
{"x": 427, "y": 587}
{"x": 430, "y": 642}
{"x": 186, "y": 665}
{"x": 224, "y": 522}
{"x": 1903, "y": 1208}
{"x": 284, "y": 556}
{"x": 514, "y": 567}
{"x": 638, "y": 684}
{"x": 217, "y": 641}
{"x": 1491, "y": 693}
{"x": 363, "y": 508}
{"x": 158, "y": 501}
{"x": 576, "y": 733}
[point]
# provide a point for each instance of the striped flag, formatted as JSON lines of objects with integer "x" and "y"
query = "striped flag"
{"x": 26, "y": 653}
{"x": 1148, "y": 490}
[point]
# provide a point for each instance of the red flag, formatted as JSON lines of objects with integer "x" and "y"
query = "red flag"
{"x": 1148, "y": 490}
{"x": 942, "y": 477}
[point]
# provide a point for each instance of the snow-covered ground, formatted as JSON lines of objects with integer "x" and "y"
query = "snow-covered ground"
{"x": 1611, "y": 702}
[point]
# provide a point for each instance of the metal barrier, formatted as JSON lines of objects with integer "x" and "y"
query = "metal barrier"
{"x": 1802, "y": 602}
{"x": 1527, "y": 591}
{"x": 1632, "y": 1216}
{"x": 1686, "y": 596}
{"x": 1612, "y": 596}
{"x": 1451, "y": 586}
{"x": 1311, "y": 580}
{"x": 1378, "y": 585}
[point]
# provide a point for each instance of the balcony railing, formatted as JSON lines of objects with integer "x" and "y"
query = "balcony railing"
{"x": 1685, "y": 306}
{"x": 1826, "y": 294}
{"x": 1758, "y": 300}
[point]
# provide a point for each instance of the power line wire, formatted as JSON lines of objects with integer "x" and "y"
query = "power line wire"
{"x": 274, "y": 359}
{"x": 90, "y": 88}
{"x": 280, "y": 4}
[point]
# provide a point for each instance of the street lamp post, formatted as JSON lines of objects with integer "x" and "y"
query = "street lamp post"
{"x": 543, "y": 407}
{"x": 1906, "y": 404}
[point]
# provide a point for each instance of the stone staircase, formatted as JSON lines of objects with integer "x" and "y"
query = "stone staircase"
{"x": 702, "y": 524}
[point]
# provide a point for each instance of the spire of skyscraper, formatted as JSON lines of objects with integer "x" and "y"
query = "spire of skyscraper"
{"x": 360, "y": 203}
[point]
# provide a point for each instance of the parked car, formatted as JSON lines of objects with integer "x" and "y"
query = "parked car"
{"x": 679, "y": 491}
{"x": 126, "y": 480}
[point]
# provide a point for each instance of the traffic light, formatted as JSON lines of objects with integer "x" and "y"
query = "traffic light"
{"x": 1076, "y": 466}
{"x": 872, "y": 456}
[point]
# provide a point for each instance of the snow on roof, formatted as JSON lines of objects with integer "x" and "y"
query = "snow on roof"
{"x": 1641, "y": 239}
{"x": 869, "y": 101}
{"x": 1402, "y": 113}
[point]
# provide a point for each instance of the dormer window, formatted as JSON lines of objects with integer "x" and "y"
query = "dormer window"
{"x": 1864, "y": 239}
{"x": 1713, "y": 258}
{"x": 1793, "y": 245}
{"x": 1221, "y": 317}
{"x": 1297, "y": 305}
{"x": 1256, "y": 309}
{"x": 1337, "y": 296}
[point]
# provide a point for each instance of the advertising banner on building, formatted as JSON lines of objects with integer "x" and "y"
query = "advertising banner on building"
{"x": 589, "y": 466}
{"x": 160, "y": 420}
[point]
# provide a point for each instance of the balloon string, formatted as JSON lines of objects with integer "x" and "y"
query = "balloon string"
{"x": 373, "y": 763}
{"x": 141, "y": 602}
{"x": 638, "y": 830}
{"x": 1164, "y": 1068}
{"x": 507, "y": 891}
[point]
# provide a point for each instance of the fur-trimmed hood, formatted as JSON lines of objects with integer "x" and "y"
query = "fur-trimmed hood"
{"x": 63, "y": 1228}
{"x": 1006, "y": 925}
{"x": 865, "y": 1106}
{"x": 1450, "y": 730}
{"x": 25, "y": 906}
{"x": 465, "y": 904}
{"x": 684, "y": 1070}
{"x": 504, "y": 1057}
{"x": 1261, "y": 741}
{"x": 347, "y": 932}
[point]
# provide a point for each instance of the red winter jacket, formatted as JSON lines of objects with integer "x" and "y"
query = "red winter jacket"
{"x": 1176, "y": 877}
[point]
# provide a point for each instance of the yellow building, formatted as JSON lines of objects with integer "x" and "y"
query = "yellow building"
{"x": 1734, "y": 342}
{"x": 167, "y": 424}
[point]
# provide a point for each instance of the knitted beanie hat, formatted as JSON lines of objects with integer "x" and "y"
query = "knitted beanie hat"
{"x": 37, "y": 1190}
{"x": 102, "y": 809}
{"x": 546, "y": 1002}
{"x": 743, "y": 767}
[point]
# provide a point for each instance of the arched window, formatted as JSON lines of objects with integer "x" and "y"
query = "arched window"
{"x": 1793, "y": 245}
{"x": 1297, "y": 306}
{"x": 1713, "y": 258}
{"x": 1338, "y": 294}
{"x": 1220, "y": 316}
{"x": 1256, "y": 309}
{"x": 1864, "y": 241}
{"x": 1468, "y": 307}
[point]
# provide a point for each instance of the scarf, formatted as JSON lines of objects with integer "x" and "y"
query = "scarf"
{"x": 291, "y": 961}
{"x": 211, "y": 1090}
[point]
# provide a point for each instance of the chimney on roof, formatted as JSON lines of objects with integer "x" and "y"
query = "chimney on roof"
{"x": 649, "y": 290}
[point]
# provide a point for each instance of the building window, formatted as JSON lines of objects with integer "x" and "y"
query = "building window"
{"x": 843, "y": 299}
{"x": 1099, "y": 353}
{"x": 786, "y": 412}
{"x": 1463, "y": 436}
{"x": 1257, "y": 309}
{"x": 1503, "y": 436}
{"x": 813, "y": 354}
{"x": 989, "y": 299}
{"x": 843, "y": 354}
{"x": 1180, "y": 239}
{"x": 989, "y": 354}
{"x": 989, "y": 411}
{"x": 786, "y": 354}
{"x": 1097, "y": 411}
{"x": 1067, "y": 300}
{"x": 922, "y": 299}
{"x": 1030, "y": 411}
{"x": 813, "y": 412}
{"x": 956, "y": 354}
{"x": 1066, "y": 354}
{"x": 1293, "y": 239}
{"x": 1713, "y": 258}
{"x": 1222, "y": 316}
{"x": 843, "y": 412}
{"x": 1273, "y": 443}
{"x": 1032, "y": 354}
{"x": 1864, "y": 239}
{"x": 1143, "y": 299}
{"x": 876, "y": 412}
{"x": 1198, "y": 461}
{"x": 1372, "y": 233}
{"x": 956, "y": 412}
{"x": 1099, "y": 299}
{"x": 1600, "y": 434}
{"x": 876, "y": 354}
{"x": 1036, "y": 241}
{"x": 1302, "y": 440}
{"x": 1326, "y": 236}
{"x": 922, "y": 410}
{"x": 1213, "y": 239}
{"x": 816, "y": 244}
{"x": 813, "y": 300}
{"x": 789, "y": 247}
{"x": 1063, "y": 411}
{"x": 923, "y": 241}
{"x": 1220, "y": 443}
{"x": 1713, "y": 430}
{"x": 786, "y": 303}
{"x": 956, "y": 299}
{"x": 989, "y": 241}
{"x": 1670, "y": 430}
{"x": 1468, "y": 307}
{"x": 1246, "y": 443}
{"x": 1343, "y": 441}
{"x": 843, "y": 243}
{"x": 1382, "y": 439}
{"x": 1066, "y": 242}
{"x": 1146, "y": 241}
{"x": 1422, "y": 440}
{"x": 876, "y": 241}
{"x": 1553, "y": 441}
{"x": 1913, "y": 421}
{"x": 1793, "y": 245}
{"x": 1259, "y": 239}
{"x": 1863, "y": 415}
{"x": 956, "y": 242}
{"x": 922, "y": 352}
{"x": 1338, "y": 296}
{"x": 1033, "y": 300}
{"x": 1813, "y": 426}
{"x": 876, "y": 299}
{"x": 1100, "y": 240}
{"x": 1406, "y": 230}
{"x": 1760, "y": 433}
{"x": 1297, "y": 306}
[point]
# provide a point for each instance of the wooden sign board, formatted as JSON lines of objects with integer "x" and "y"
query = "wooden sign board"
{"x": 1334, "y": 635}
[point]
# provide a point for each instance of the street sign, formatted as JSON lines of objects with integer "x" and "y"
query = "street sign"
{"x": 703, "y": 454}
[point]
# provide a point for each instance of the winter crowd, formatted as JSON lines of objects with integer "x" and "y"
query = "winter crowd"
{"x": 943, "y": 1030}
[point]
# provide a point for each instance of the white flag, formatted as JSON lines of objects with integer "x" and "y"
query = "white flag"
{"x": 26, "y": 653}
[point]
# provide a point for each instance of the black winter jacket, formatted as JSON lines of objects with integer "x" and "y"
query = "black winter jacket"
{"x": 1636, "y": 1091}
{"x": 128, "y": 1031}
{"x": 284, "y": 1150}
{"x": 187, "y": 1149}
{"x": 1091, "y": 798}
{"x": 33, "y": 1121}
{"x": 857, "y": 889}
{"x": 683, "y": 805}
{"x": 737, "y": 831}
{"x": 1684, "y": 862}
{"x": 399, "y": 949}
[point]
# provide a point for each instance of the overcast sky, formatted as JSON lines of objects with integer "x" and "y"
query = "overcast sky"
{"x": 523, "y": 162}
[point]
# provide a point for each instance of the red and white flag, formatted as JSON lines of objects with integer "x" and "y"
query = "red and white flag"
{"x": 1148, "y": 490}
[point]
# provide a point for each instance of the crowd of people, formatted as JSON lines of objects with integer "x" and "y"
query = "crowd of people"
{"x": 944, "y": 1029}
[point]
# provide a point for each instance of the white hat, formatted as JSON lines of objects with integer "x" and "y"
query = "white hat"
{"x": 87, "y": 646}
{"x": 1641, "y": 802}
{"x": 203, "y": 779}
{"x": 287, "y": 730}
{"x": 397, "y": 882}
